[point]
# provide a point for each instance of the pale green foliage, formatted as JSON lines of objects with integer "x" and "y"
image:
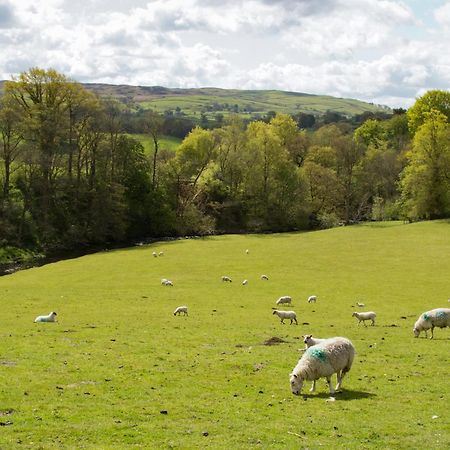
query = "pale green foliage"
{"x": 371, "y": 132}
{"x": 426, "y": 180}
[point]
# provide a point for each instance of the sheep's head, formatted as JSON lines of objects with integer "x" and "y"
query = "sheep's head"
{"x": 354, "y": 314}
{"x": 275, "y": 311}
{"x": 53, "y": 314}
{"x": 296, "y": 383}
{"x": 307, "y": 338}
{"x": 416, "y": 332}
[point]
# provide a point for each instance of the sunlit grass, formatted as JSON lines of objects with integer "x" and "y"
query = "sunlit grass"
{"x": 104, "y": 375}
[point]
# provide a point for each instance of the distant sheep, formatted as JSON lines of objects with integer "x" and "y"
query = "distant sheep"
{"x": 360, "y": 305}
{"x": 155, "y": 254}
{"x": 310, "y": 341}
{"x": 163, "y": 281}
{"x": 161, "y": 254}
{"x": 245, "y": 282}
{"x": 167, "y": 283}
{"x": 285, "y": 299}
{"x": 312, "y": 299}
{"x": 264, "y": 277}
{"x": 181, "y": 309}
{"x": 226, "y": 279}
{"x": 334, "y": 355}
{"x": 363, "y": 316}
{"x": 49, "y": 318}
{"x": 439, "y": 317}
{"x": 286, "y": 315}
{"x": 247, "y": 251}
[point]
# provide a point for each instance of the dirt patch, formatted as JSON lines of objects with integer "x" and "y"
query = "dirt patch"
{"x": 6, "y": 412}
{"x": 275, "y": 341}
{"x": 8, "y": 363}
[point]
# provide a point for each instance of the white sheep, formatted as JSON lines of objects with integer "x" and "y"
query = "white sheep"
{"x": 155, "y": 254}
{"x": 247, "y": 251}
{"x": 284, "y": 299}
{"x": 226, "y": 279}
{"x": 331, "y": 356}
{"x": 286, "y": 315}
{"x": 439, "y": 317}
{"x": 360, "y": 305}
{"x": 264, "y": 277}
{"x": 167, "y": 283}
{"x": 181, "y": 309}
{"x": 163, "y": 281}
{"x": 310, "y": 341}
{"x": 49, "y": 318}
{"x": 245, "y": 282}
{"x": 363, "y": 316}
{"x": 161, "y": 254}
{"x": 312, "y": 299}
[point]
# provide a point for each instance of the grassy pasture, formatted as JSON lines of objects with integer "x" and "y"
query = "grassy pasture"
{"x": 165, "y": 143}
{"x": 118, "y": 357}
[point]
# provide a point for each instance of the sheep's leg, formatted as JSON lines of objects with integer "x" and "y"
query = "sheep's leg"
{"x": 432, "y": 328}
{"x": 340, "y": 377}
{"x": 329, "y": 385}
{"x": 364, "y": 322}
{"x": 373, "y": 322}
{"x": 313, "y": 386}
{"x": 282, "y": 321}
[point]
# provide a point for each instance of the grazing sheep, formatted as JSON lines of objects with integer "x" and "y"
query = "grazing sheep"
{"x": 360, "y": 305}
{"x": 439, "y": 317}
{"x": 264, "y": 277}
{"x": 310, "y": 341}
{"x": 245, "y": 282}
{"x": 49, "y": 318}
{"x": 161, "y": 254}
{"x": 226, "y": 279}
{"x": 181, "y": 309}
{"x": 286, "y": 315}
{"x": 167, "y": 283}
{"x": 312, "y": 299}
{"x": 363, "y": 316}
{"x": 284, "y": 299}
{"x": 155, "y": 254}
{"x": 331, "y": 356}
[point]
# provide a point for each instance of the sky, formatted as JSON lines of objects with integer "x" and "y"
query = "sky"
{"x": 383, "y": 51}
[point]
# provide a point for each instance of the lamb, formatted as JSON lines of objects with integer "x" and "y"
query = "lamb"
{"x": 245, "y": 282}
{"x": 163, "y": 281}
{"x": 284, "y": 299}
{"x": 247, "y": 251}
{"x": 286, "y": 315}
{"x": 312, "y": 299}
{"x": 363, "y": 316}
{"x": 360, "y": 305}
{"x": 439, "y": 317}
{"x": 264, "y": 277}
{"x": 167, "y": 283}
{"x": 310, "y": 341}
{"x": 181, "y": 309}
{"x": 226, "y": 279}
{"x": 49, "y": 318}
{"x": 155, "y": 254}
{"x": 161, "y": 254}
{"x": 331, "y": 356}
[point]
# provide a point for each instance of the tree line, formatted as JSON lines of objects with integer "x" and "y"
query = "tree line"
{"x": 72, "y": 176}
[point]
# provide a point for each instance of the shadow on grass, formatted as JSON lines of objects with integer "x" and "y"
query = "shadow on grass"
{"x": 343, "y": 395}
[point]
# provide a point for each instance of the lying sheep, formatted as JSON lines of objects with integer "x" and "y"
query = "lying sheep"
{"x": 331, "y": 356}
{"x": 286, "y": 315}
{"x": 264, "y": 277}
{"x": 247, "y": 251}
{"x": 312, "y": 299}
{"x": 155, "y": 254}
{"x": 245, "y": 282}
{"x": 439, "y": 317}
{"x": 163, "y": 281}
{"x": 284, "y": 299}
{"x": 167, "y": 283}
{"x": 181, "y": 309}
{"x": 363, "y": 316}
{"x": 161, "y": 254}
{"x": 360, "y": 305}
{"x": 226, "y": 279}
{"x": 310, "y": 341}
{"x": 49, "y": 318}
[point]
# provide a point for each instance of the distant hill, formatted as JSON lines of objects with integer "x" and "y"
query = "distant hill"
{"x": 192, "y": 103}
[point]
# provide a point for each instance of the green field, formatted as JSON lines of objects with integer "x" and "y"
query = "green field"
{"x": 120, "y": 371}
{"x": 165, "y": 143}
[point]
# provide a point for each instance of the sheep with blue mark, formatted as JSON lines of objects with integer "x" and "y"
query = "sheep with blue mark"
{"x": 332, "y": 356}
{"x": 439, "y": 317}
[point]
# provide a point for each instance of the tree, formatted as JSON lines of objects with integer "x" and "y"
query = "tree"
{"x": 154, "y": 124}
{"x": 435, "y": 99}
{"x": 425, "y": 181}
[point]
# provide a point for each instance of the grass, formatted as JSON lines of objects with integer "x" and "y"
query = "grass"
{"x": 104, "y": 375}
{"x": 165, "y": 143}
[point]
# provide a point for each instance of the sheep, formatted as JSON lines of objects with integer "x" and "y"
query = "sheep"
{"x": 163, "y": 281}
{"x": 155, "y": 254}
{"x": 245, "y": 282}
{"x": 312, "y": 299}
{"x": 286, "y": 315}
{"x": 49, "y": 318}
{"x": 360, "y": 305}
{"x": 181, "y": 309}
{"x": 226, "y": 279}
{"x": 331, "y": 356}
{"x": 284, "y": 299}
{"x": 247, "y": 251}
{"x": 264, "y": 277}
{"x": 310, "y": 341}
{"x": 167, "y": 283}
{"x": 439, "y": 317}
{"x": 363, "y": 316}
{"x": 161, "y": 254}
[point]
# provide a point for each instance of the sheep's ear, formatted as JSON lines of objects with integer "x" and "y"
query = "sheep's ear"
{"x": 294, "y": 375}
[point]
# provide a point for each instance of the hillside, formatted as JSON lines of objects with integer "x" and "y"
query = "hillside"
{"x": 193, "y": 102}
